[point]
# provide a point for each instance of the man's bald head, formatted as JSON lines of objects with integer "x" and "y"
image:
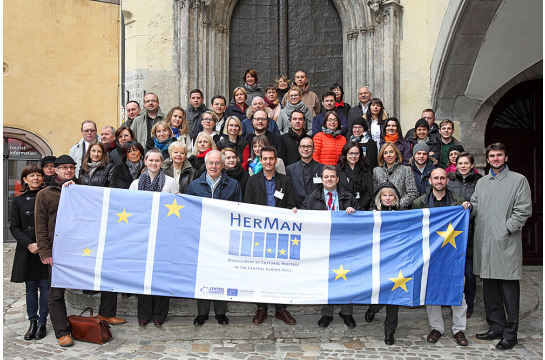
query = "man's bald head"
{"x": 364, "y": 95}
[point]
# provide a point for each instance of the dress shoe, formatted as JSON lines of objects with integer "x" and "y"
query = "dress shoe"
{"x": 468, "y": 315}
{"x": 200, "y": 319}
{"x": 31, "y": 333}
{"x": 112, "y": 320}
{"x": 285, "y": 316}
{"x": 125, "y": 296}
{"x": 389, "y": 339}
{"x": 41, "y": 333}
{"x": 158, "y": 323}
{"x": 90, "y": 292}
{"x": 369, "y": 315}
{"x": 433, "y": 336}
{"x": 324, "y": 321}
{"x": 348, "y": 320}
{"x": 142, "y": 323}
{"x": 460, "y": 338}
{"x": 222, "y": 319}
{"x": 66, "y": 341}
{"x": 260, "y": 315}
{"x": 488, "y": 336}
{"x": 505, "y": 344}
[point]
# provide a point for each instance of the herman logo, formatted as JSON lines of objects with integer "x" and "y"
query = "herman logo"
{"x": 265, "y": 245}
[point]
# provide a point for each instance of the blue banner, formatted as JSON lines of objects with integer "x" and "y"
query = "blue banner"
{"x": 184, "y": 246}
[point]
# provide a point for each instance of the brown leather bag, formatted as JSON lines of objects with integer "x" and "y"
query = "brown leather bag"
{"x": 89, "y": 328}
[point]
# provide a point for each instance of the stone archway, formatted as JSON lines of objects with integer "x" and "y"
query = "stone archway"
{"x": 30, "y": 138}
{"x": 372, "y": 32}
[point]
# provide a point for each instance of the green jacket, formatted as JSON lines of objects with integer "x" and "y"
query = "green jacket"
{"x": 423, "y": 201}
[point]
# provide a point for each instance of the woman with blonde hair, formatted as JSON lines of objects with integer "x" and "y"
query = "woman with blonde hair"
{"x": 238, "y": 105}
{"x": 161, "y": 138}
{"x": 203, "y": 144}
{"x": 177, "y": 121}
{"x": 391, "y": 170}
{"x": 232, "y": 138}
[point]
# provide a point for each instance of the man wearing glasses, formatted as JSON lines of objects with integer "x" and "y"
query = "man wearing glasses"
{"x": 260, "y": 121}
{"x": 89, "y": 135}
{"x": 143, "y": 123}
{"x": 305, "y": 174}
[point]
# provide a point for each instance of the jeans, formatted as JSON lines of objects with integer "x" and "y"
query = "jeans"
{"x": 470, "y": 287}
{"x": 32, "y": 300}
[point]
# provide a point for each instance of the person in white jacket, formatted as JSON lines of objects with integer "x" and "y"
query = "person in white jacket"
{"x": 89, "y": 133}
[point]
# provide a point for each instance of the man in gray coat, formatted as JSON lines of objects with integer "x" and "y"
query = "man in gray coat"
{"x": 502, "y": 203}
{"x": 143, "y": 123}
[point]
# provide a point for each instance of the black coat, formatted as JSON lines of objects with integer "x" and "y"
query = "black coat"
{"x": 291, "y": 143}
{"x": 198, "y": 164}
{"x": 121, "y": 177}
{"x": 465, "y": 188}
{"x": 101, "y": 177}
{"x": 257, "y": 194}
{"x": 362, "y": 187}
{"x": 303, "y": 187}
{"x": 274, "y": 140}
{"x": 26, "y": 265}
{"x": 115, "y": 154}
{"x": 316, "y": 200}
{"x": 240, "y": 175}
{"x": 188, "y": 174}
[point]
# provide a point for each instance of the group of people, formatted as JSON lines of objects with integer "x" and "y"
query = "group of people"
{"x": 281, "y": 147}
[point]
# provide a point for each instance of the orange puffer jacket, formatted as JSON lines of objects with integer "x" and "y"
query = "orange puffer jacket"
{"x": 328, "y": 149}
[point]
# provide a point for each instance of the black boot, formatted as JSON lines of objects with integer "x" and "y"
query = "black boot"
{"x": 41, "y": 332}
{"x": 31, "y": 333}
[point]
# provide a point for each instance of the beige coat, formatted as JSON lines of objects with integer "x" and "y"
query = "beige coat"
{"x": 502, "y": 204}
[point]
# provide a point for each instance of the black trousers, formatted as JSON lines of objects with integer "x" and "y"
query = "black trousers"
{"x": 501, "y": 297}
{"x": 278, "y": 307}
{"x": 108, "y": 304}
{"x": 390, "y": 322}
{"x": 152, "y": 307}
{"x": 57, "y": 311}
{"x": 203, "y": 307}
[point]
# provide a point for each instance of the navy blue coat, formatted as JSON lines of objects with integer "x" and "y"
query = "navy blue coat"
{"x": 228, "y": 189}
{"x": 319, "y": 121}
{"x": 422, "y": 178}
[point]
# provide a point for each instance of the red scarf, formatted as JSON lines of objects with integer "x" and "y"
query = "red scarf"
{"x": 391, "y": 138}
{"x": 203, "y": 154}
{"x": 341, "y": 104}
{"x": 271, "y": 104}
{"x": 243, "y": 109}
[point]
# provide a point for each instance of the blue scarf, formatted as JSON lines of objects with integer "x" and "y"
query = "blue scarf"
{"x": 175, "y": 132}
{"x": 161, "y": 145}
{"x": 256, "y": 166}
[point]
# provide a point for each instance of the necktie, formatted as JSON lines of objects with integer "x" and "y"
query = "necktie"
{"x": 330, "y": 204}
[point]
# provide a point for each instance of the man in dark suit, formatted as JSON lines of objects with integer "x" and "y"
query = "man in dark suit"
{"x": 364, "y": 96}
{"x": 306, "y": 173}
{"x": 269, "y": 188}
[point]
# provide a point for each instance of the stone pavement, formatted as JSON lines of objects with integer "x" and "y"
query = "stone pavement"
{"x": 179, "y": 339}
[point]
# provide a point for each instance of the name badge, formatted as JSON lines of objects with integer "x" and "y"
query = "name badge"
{"x": 317, "y": 180}
{"x": 358, "y": 195}
{"x": 278, "y": 194}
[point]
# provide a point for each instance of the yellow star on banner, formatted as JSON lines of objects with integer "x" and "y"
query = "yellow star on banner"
{"x": 341, "y": 273}
{"x": 400, "y": 281}
{"x": 87, "y": 251}
{"x": 282, "y": 252}
{"x": 449, "y": 235}
{"x": 256, "y": 244}
{"x": 294, "y": 241}
{"x": 123, "y": 216}
{"x": 174, "y": 208}
{"x": 269, "y": 250}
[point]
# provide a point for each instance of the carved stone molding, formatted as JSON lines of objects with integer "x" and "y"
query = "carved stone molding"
{"x": 205, "y": 23}
{"x": 375, "y": 8}
{"x": 372, "y": 29}
{"x": 352, "y": 34}
{"x": 363, "y": 30}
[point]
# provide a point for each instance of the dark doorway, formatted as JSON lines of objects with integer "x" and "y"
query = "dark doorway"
{"x": 279, "y": 37}
{"x": 517, "y": 122}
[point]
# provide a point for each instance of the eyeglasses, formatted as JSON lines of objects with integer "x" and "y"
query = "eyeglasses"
{"x": 207, "y": 120}
{"x": 150, "y": 101}
{"x": 306, "y": 147}
{"x": 294, "y": 96}
{"x": 90, "y": 131}
{"x": 353, "y": 154}
{"x": 212, "y": 163}
{"x": 260, "y": 119}
{"x": 65, "y": 168}
{"x": 332, "y": 120}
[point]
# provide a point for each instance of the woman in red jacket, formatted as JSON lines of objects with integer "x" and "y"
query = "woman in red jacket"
{"x": 329, "y": 143}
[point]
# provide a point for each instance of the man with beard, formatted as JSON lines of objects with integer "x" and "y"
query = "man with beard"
{"x": 293, "y": 137}
{"x": 143, "y": 123}
{"x": 309, "y": 97}
{"x": 422, "y": 167}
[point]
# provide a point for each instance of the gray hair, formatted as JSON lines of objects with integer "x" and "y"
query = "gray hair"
{"x": 177, "y": 144}
{"x": 112, "y": 129}
{"x": 215, "y": 152}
